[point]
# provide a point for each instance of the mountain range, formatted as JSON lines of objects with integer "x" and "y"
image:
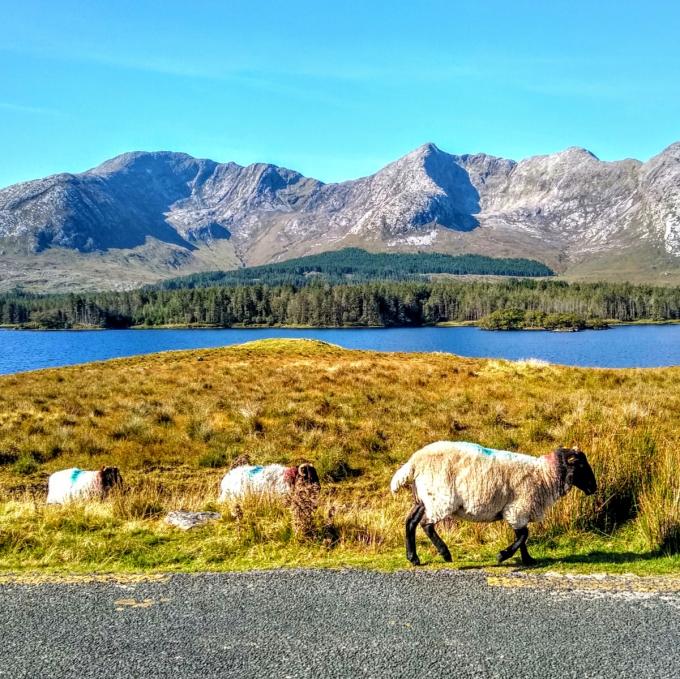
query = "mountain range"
{"x": 143, "y": 217}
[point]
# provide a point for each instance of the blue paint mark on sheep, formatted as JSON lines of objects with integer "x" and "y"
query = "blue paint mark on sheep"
{"x": 488, "y": 452}
{"x": 255, "y": 471}
{"x": 75, "y": 474}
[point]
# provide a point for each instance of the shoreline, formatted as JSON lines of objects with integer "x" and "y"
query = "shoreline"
{"x": 443, "y": 324}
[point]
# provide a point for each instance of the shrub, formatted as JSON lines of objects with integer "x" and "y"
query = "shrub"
{"x": 503, "y": 319}
{"x": 25, "y": 465}
{"x": 332, "y": 466}
{"x": 564, "y": 322}
{"x": 534, "y": 319}
{"x": 375, "y": 442}
{"x": 130, "y": 429}
{"x": 597, "y": 324}
{"x": 163, "y": 416}
{"x": 200, "y": 430}
{"x": 213, "y": 459}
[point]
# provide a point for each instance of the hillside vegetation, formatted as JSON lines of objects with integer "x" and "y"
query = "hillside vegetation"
{"x": 355, "y": 264}
{"x": 319, "y": 304}
{"x": 174, "y": 422}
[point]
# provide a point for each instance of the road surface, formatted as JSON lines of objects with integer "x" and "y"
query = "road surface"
{"x": 338, "y": 624}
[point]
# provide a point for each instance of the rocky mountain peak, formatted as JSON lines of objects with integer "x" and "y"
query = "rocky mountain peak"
{"x": 425, "y": 150}
{"x": 575, "y": 153}
{"x": 565, "y": 208}
{"x": 145, "y": 161}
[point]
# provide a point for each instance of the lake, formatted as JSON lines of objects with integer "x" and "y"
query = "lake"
{"x": 619, "y": 347}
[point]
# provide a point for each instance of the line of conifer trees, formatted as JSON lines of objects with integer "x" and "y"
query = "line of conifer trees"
{"x": 376, "y": 303}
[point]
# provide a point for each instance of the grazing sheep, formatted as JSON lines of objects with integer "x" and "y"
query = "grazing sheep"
{"x": 72, "y": 484}
{"x": 466, "y": 480}
{"x": 272, "y": 479}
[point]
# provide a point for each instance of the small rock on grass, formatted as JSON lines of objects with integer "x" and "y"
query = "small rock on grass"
{"x": 186, "y": 520}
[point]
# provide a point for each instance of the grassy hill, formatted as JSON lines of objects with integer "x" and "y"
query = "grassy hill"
{"x": 173, "y": 423}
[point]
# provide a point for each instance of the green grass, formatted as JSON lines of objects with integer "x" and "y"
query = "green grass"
{"x": 174, "y": 422}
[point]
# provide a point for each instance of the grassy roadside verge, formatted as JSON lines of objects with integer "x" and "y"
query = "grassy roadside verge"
{"x": 173, "y": 422}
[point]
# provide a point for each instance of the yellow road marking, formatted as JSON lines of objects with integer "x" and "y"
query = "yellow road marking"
{"x": 609, "y": 583}
{"x": 77, "y": 579}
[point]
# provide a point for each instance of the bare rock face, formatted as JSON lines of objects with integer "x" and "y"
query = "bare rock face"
{"x": 660, "y": 187}
{"x": 565, "y": 209}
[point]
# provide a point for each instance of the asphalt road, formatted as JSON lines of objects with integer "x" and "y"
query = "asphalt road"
{"x": 335, "y": 624}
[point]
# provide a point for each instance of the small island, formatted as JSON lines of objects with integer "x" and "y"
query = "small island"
{"x": 519, "y": 319}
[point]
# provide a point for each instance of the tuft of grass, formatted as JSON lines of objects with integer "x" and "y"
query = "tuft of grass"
{"x": 130, "y": 429}
{"x": 331, "y": 465}
{"x": 660, "y": 508}
{"x": 25, "y": 465}
{"x": 144, "y": 500}
{"x": 213, "y": 460}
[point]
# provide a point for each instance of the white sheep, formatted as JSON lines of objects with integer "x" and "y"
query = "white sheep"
{"x": 272, "y": 479}
{"x": 466, "y": 480}
{"x": 72, "y": 484}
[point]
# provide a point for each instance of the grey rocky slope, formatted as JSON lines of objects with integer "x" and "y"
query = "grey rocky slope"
{"x": 145, "y": 216}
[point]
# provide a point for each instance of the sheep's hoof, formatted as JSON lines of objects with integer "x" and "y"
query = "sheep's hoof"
{"x": 529, "y": 561}
{"x": 415, "y": 561}
{"x": 447, "y": 557}
{"x": 502, "y": 556}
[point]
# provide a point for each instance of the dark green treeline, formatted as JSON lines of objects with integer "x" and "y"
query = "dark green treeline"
{"x": 358, "y": 266}
{"x": 372, "y": 303}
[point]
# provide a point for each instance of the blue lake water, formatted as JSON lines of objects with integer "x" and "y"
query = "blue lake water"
{"x": 620, "y": 347}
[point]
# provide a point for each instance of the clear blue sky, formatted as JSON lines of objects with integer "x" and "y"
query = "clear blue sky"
{"x": 332, "y": 89}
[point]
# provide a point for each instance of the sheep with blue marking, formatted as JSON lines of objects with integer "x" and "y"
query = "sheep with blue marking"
{"x": 274, "y": 480}
{"x": 299, "y": 486}
{"x": 74, "y": 484}
{"x": 465, "y": 480}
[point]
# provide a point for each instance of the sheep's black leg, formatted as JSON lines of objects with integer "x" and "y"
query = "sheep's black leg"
{"x": 521, "y": 535}
{"x": 437, "y": 541}
{"x": 412, "y": 521}
{"x": 527, "y": 559}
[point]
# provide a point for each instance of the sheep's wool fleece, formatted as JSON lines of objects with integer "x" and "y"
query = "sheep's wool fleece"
{"x": 73, "y": 483}
{"x": 457, "y": 478}
{"x": 269, "y": 479}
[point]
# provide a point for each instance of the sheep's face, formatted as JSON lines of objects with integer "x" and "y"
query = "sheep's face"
{"x": 110, "y": 478}
{"x": 307, "y": 473}
{"x": 578, "y": 471}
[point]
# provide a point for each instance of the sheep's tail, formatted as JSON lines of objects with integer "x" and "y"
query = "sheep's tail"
{"x": 402, "y": 476}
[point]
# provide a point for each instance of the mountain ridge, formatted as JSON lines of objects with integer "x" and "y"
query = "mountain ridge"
{"x": 144, "y": 216}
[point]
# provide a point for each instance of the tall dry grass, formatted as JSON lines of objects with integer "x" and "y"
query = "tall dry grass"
{"x": 175, "y": 422}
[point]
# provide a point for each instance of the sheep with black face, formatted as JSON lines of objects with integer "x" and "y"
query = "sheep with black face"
{"x": 272, "y": 479}
{"x": 74, "y": 483}
{"x": 465, "y": 480}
